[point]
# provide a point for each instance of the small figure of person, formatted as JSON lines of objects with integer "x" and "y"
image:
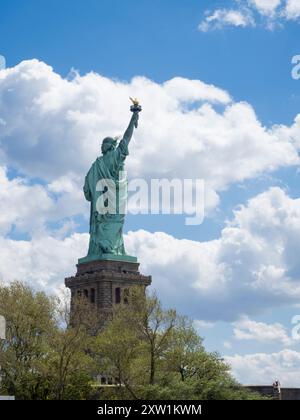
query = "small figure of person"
{"x": 277, "y": 390}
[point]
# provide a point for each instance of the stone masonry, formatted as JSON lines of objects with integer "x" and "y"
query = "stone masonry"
{"x": 105, "y": 282}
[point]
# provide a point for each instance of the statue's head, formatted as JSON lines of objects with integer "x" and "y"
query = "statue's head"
{"x": 109, "y": 143}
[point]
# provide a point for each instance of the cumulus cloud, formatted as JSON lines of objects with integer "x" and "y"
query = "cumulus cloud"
{"x": 22, "y": 205}
{"x": 292, "y": 10}
{"x": 263, "y": 368}
{"x": 43, "y": 262}
{"x": 247, "y": 13}
{"x": 52, "y": 127}
{"x": 247, "y": 329}
{"x": 28, "y": 207}
{"x": 253, "y": 266}
{"x": 267, "y": 7}
{"x": 221, "y": 18}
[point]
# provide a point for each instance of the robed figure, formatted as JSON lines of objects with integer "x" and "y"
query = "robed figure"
{"x": 105, "y": 187}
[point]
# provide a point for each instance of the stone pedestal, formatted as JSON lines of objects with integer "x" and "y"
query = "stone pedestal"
{"x": 105, "y": 282}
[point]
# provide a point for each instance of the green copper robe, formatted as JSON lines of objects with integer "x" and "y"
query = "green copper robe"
{"x": 106, "y": 229}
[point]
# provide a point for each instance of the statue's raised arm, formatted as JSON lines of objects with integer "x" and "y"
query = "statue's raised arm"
{"x": 135, "y": 109}
{"x": 129, "y": 131}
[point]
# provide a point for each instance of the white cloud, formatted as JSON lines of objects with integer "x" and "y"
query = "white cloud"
{"x": 253, "y": 266}
{"x": 247, "y": 329}
{"x": 43, "y": 262}
{"x": 53, "y": 127}
{"x": 185, "y": 90}
{"x": 263, "y": 368}
{"x": 266, "y": 7}
{"x": 247, "y": 13}
{"x": 292, "y": 10}
{"x": 200, "y": 324}
{"x": 28, "y": 207}
{"x": 22, "y": 205}
{"x": 221, "y": 18}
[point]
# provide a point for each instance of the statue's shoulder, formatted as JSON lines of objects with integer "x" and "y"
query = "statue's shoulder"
{"x": 99, "y": 162}
{"x": 96, "y": 162}
{"x": 93, "y": 165}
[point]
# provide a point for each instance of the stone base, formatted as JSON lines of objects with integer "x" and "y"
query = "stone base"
{"x": 105, "y": 282}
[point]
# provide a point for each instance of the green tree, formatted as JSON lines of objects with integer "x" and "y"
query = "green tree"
{"x": 70, "y": 364}
{"x": 156, "y": 354}
{"x": 30, "y": 321}
{"x": 151, "y": 353}
{"x": 45, "y": 356}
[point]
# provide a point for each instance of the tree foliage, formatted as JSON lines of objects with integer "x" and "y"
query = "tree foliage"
{"x": 43, "y": 356}
{"x": 150, "y": 353}
{"x": 156, "y": 354}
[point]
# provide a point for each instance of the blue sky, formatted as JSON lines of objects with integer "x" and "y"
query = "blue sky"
{"x": 161, "y": 40}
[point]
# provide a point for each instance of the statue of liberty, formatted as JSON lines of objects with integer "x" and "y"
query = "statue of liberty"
{"x": 106, "y": 188}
